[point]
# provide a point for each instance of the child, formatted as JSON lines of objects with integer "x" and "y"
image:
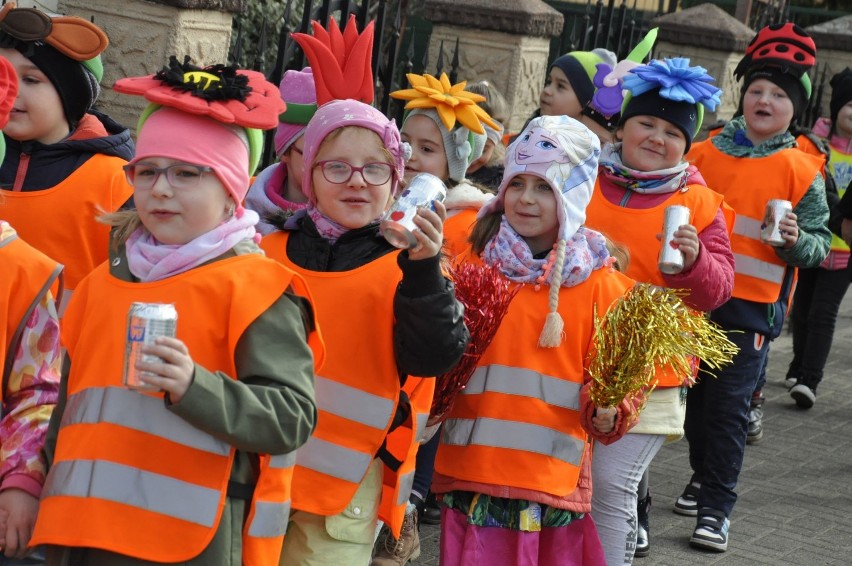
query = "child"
{"x": 446, "y": 136}
{"x": 278, "y": 188}
{"x": 639, "y": 177}
{"x": 387, "y": 316}
{"x": 514, "y": 462}
{"x": 751, "y": 161}
{"x": 195, "y": 470}
{"x": 487, "y": 169}
{"x": 63, "y": 164}
{"x": 820, "y": 290}
{"x": 586, "y": 86}
{"x": 30, "y": 363}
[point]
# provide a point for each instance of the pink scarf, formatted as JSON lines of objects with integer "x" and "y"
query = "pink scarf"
{"x": 585, "y": 251}
{"x": 149, "y": 260}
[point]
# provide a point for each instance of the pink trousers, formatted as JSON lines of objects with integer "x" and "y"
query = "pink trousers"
{"x": 463, "y": 544}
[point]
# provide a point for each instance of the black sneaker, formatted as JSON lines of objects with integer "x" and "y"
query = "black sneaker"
{"x": 687, "y": 503}
{"x": 803, "y": 395}
{"x": 431, "y": 511}
{"x": 643, "y": 541}
{"x": 711, "y": 531}
{"x": 755, "y": 419}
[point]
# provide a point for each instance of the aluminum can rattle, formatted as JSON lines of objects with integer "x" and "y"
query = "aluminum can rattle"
{"x": 145, "y": 323}
{"x": 671, "y": 259}
{"x": 770, "y": 231}
{"x": 398, "y": 225}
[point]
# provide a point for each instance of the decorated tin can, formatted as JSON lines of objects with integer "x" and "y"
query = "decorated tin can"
{"x": 671, "y": 258}
{"x": 770, "y": 231}
{"x": 398, "y": 222}
{"x": 145, "y": 323}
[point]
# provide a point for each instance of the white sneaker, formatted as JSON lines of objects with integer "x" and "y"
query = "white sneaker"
{"x": 790, "y": 382}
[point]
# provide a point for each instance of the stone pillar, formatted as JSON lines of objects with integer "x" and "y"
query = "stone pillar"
{"x": 834, "y": 51}
{"x": 709, "y": 37}
{"x": 144, "y": 33}
{"x": 502, "y": 41}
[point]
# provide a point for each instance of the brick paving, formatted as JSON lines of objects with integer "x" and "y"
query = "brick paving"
{"x": 795, "y": 490}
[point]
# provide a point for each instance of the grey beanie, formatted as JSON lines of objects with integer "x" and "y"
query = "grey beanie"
{"x": 461, "y": 146}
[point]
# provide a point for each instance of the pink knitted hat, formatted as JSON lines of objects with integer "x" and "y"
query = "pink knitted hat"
{"x": 299, "y": 92}
{"x": 341, "y": 113}
{"x": 222, "y": 147}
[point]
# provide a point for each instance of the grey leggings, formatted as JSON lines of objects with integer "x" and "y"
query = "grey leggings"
{"x": 616, "y": 472}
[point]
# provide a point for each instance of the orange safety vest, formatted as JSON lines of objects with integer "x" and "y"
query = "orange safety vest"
{"x": 747, "y": 184}
{"x": 517, "y": 422}
{"x": 357, "y": 391}
{"x": 457, "y": 229}
{"x": 137, "y": 479}
{"x": 27, "y": 276}
{"x": 636, "y": 229}
{"x": 60, "y": 221}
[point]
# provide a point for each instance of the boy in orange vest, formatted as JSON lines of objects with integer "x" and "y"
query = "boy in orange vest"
{"x": 63, "y": 160}
{"x": 753, "y": 160}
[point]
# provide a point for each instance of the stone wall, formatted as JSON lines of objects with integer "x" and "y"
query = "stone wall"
{"x": 143, "y": 34}
{"x": 709, "y": 37}
{"x": 504, "y": 41}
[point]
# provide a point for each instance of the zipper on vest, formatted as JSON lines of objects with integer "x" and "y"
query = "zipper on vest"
{"x": 23, "y": 166}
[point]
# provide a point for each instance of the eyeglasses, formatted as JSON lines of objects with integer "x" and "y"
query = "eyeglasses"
{"x": 339, "y": 172}
{"x": 179, "y": 176}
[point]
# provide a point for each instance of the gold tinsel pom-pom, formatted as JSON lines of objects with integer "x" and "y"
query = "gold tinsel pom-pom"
{"x": 648, "y": 327}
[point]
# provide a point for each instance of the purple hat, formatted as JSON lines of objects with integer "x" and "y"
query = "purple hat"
{"x": 298, "y": 91}
{"x": 341, "y": 113}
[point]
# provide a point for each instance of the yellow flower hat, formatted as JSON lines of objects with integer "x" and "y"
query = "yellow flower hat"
{"x": 451, "y": 101}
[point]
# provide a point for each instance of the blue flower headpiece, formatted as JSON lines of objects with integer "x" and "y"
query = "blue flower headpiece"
{"x": 676, "y": 81}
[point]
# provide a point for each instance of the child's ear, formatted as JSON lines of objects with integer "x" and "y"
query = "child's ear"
{"x": 617, "y": 135}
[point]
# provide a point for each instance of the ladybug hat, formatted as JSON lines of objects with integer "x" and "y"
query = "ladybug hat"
{"x": 782, "y": 54}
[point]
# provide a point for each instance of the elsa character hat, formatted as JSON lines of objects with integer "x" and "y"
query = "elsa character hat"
{"x": 563, "y": 152}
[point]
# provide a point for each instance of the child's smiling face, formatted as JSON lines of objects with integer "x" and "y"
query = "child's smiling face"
{"x": 354, "y": 203}
{"x": 37, "y": 114}
{"x": 767, "y": 109}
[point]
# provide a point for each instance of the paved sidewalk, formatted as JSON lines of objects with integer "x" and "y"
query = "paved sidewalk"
{"x": 795, "y": 490}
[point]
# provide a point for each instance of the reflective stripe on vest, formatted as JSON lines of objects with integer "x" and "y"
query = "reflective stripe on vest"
{"x": 129, "y": 409}
{"x": 759, "y": 269}
{"x": 406, "y": 482}
{"x": 353, "y": 404}
{"x": 333, "y": 459}
{"x": 526, "y": 383}
{"x": 151, "y": 492}
{"x": 270, "y": 517}
{"x": 515, "y": 435}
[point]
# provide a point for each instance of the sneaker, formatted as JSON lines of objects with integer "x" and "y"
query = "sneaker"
{"x": 803, "y": 395}
{"x": 643, "y": 542}
{"x": 755, "y": 419}
{"x": 431, "y": 511}
{"x": 393, "y": 552}
{"x": 711, "y": 531}
{"x": 687, "y": 503}
{"x": 790, "y": 382}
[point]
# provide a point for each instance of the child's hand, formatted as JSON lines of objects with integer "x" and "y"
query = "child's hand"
{"x": 686, "y": 240}
{"x": 174, "y": 374}
{"x": 430, "y": 235}
{"x": 19, "y": 510}
{"x": 789, "y": 229}
{"x": 604, "y": 419}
